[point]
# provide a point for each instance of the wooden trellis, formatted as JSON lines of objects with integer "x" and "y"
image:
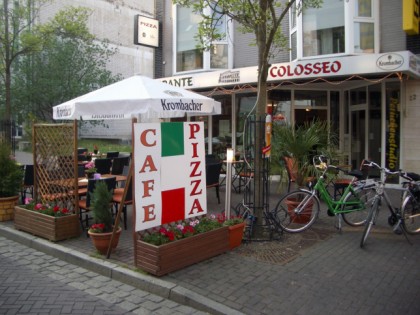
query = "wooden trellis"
{"x": 55, "y": 164}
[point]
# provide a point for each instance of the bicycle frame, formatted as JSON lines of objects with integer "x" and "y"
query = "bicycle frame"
{"x": 395, "y": 218}
{"x": 337, "y": 206}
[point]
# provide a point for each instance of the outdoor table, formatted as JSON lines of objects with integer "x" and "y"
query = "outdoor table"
{"x": 82, "y": 181}
{"x": 119, "y": 178}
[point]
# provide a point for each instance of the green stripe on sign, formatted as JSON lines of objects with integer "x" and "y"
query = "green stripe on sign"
{"x": 172, "y": 138}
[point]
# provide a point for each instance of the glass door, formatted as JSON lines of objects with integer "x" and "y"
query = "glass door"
{"x": 365, "y": 125}
{"x": 358, "y": 135}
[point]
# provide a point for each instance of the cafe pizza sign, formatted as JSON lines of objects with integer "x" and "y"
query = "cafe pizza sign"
{"x": 169, "y": 172}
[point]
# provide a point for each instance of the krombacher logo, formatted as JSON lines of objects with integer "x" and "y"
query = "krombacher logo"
{"x": 390, "y": 61}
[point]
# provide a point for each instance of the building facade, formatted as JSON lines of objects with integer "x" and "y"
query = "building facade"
{"x": 353, "y": 63}
{"x": 113, "y": 20}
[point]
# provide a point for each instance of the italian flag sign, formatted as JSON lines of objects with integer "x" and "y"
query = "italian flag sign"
{"x": 169, "y": 172}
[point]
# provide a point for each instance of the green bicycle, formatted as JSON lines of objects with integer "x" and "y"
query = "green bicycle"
{"x": 298, "y": 210}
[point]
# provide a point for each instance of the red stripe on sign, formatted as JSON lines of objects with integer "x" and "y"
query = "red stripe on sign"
{"x": 173, "y": 205}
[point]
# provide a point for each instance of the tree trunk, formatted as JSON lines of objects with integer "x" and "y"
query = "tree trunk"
{"x": 260, "y": 114}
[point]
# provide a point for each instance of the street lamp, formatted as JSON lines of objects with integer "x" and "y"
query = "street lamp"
{"x": 229, "y": 159}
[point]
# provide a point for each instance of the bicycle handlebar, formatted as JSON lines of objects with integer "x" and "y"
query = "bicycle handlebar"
{"x": 406, "y": 175}
{"x": 321, "y": 162}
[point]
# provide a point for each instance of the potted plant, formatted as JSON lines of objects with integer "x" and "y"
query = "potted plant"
{"x": 90, "y": 169}
{"x": 174, "y": 246}
{"x": 47, "y": 220}
{"x": 101, "y": 231}
{"x": 11, "y": 181}
{"x": 299, "y": 144}
{"x": 236, "y": 226}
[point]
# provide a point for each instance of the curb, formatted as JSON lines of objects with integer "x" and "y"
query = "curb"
{"x": 114, "y": 271}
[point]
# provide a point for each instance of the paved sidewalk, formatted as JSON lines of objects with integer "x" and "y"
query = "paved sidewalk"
{"x": 35, "y": 283}
{"x": 319, "y": 271}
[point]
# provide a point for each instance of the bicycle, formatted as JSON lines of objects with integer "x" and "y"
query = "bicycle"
{"x": 406, "y": 218}
{"x": 298, "y": 210}
{"x": 410, "y": 208}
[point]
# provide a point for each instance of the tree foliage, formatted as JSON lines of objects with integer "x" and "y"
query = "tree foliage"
{"x": 16, "y": 39}
{"x": 263, "y": 18}
{"x": 72, "y": 62}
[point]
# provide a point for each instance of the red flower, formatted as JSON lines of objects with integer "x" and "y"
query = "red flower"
{"x": 188, "y": 229}
{"x": 56, "y": 209}
{"x": 170, "y": 235}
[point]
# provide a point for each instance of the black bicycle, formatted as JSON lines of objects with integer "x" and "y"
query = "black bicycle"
{"x": 404, "y": 219}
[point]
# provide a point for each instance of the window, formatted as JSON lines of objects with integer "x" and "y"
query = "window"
{"x": 364, "y": 27}
{"x": 364, "y": 37}
{"x": 188, "y": 57}
{"x": 323, "y": 29}
{"x": 337, "y": 27}
{"x": 293, "y": 32}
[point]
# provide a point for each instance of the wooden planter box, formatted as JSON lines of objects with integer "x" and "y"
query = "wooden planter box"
{"x": 160, "y": 260}
{"x": 7, "y": 206}
{"x": 45, "y": 226}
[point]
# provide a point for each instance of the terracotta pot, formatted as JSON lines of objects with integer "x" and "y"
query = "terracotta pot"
{"x": 304, "y": 216}
{"x": 7, "y": 206}
{"x": 101, "y": 240}
{"x": 236, "y": 233}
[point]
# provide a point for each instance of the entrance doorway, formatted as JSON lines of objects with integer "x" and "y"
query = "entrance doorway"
{"x": 365, "y": 124}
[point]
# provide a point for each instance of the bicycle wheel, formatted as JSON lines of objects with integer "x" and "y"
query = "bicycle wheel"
{"x": 296, "y": 211}
{"x": 410, "y": 213}
{"x": 370, "y": 220}
{"x": 356, "y": 206}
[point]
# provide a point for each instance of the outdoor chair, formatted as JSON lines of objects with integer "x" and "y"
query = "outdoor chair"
{"x": 117, "y": 199}
{"x": 82, "y": 158}
{"x": 212, "y": 177}
{"x": 341, "y": 183}
{"x": 118, "y": 164}
{"x": 82, "y": 151}
{"x": 84, "y": 204}
{"x": 291, "y": 170}
{"x": 103, "y": 166}
{"x": 112, "y": 154}
{"x": 121, "y": 185}
{"x": 245, "y": 174}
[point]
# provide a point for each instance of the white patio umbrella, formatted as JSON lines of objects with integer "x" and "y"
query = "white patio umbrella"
{"x": 137, "y": 96}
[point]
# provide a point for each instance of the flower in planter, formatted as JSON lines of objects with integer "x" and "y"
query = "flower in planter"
{"x": 233, "y": 220}
{"x": 90, "y": 167}
{"x": 179, "y": 230}
{"x": 97, "y": 228}
{"x": 47, "y": 209}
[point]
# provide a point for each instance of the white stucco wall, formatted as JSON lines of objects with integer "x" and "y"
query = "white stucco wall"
{"x": 411, "y": 127}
